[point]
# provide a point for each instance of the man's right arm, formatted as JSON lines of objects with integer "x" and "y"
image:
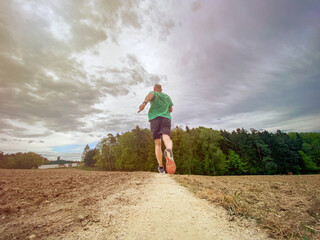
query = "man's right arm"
{"x": 146, "y": 100}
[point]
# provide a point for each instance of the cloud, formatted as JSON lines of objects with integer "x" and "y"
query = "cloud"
{"x": 118, "y": 80}
{"x": 195, "y": 6}
{"x": 40, "y": 82}
{"x": 130, "y": 18}
{"x": 248, "y": 57}
{"x": 43, "y": 81}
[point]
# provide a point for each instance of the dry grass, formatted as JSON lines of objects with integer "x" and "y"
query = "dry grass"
{"x": 288, "y": 206}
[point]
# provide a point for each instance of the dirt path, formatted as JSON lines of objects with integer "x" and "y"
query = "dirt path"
{"x": 162, "y": 209}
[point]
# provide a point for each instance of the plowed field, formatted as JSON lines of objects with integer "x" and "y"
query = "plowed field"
{"x": 46, "y": 204}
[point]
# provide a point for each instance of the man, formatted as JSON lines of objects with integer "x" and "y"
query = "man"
{"x": 160, "y": 124}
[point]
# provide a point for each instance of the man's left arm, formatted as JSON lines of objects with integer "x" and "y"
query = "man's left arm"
{"x": 170, "y": 106}
{"x": 146, "y": 100}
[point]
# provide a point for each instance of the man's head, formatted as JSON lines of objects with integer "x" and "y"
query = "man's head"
{"x": 157, "y": 87}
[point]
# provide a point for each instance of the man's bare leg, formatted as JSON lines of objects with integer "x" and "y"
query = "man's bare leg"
{"x": 167, "y": 141}
{"x": 158, "y": 151}
{"x": 170, "y": 164}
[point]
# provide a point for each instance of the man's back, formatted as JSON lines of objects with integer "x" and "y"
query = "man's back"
{"x": 160, "y": 105}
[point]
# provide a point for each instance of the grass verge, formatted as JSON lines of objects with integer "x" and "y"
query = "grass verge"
{"x": 288, "y": 206}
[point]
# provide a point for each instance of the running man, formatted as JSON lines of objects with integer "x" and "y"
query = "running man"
{"x": 160, "y": 124}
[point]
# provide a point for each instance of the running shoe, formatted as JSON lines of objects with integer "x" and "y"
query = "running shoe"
{"x": 161, "y": 170}
{"x": 171, "y": 165}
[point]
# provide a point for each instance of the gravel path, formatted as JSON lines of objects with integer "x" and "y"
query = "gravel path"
{"x": 166, "y": 210}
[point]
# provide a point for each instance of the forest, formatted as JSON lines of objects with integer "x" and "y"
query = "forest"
{"x": 200, "y": 151}
{"x": 20, "y": 160}
{"x": 204, "y": 151}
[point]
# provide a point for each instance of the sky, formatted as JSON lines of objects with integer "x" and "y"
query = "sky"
{"x": 73, "y": 71}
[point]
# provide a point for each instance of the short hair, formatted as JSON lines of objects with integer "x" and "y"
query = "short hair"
{"x": 157, "y": 86}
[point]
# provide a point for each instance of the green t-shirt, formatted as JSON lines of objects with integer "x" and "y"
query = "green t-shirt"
{"x": 160, "y": 104}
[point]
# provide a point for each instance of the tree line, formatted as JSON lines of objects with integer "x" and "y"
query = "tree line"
{"x": 21, "y": 160}
{"x": 210, "y": 152}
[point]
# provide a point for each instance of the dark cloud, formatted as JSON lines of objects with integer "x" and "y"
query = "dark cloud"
{"x": 24, "y": 140}
{"x": 131, "y": 73}
{"x": 118, "y": 123}
{"x": 28, "y": 93}
{"x": 11, "y": 130}
{"x": 42, "y": 80}
{"x": 166, "y": 27}
{"x": 130, "y": 18}
{"x": 84, "y": 35}
{"x": 195, "y": 5}
{"x": 251, "y": 56}
{"x": 32, "y": 135}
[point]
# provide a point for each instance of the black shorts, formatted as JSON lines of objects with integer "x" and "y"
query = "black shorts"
{"x": 159, "y": 126}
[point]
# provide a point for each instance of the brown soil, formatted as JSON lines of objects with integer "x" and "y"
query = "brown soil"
{"x": 288, "y": 206}
{"x": 46, "y": 204}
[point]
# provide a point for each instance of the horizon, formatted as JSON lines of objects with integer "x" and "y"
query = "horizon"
{"x": 76, "y": 156}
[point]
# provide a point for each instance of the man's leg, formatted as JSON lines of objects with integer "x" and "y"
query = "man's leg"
{"x": 158, "y": 151}
{"x": 167, "y": 141}
{"x": 170, "y": 164}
